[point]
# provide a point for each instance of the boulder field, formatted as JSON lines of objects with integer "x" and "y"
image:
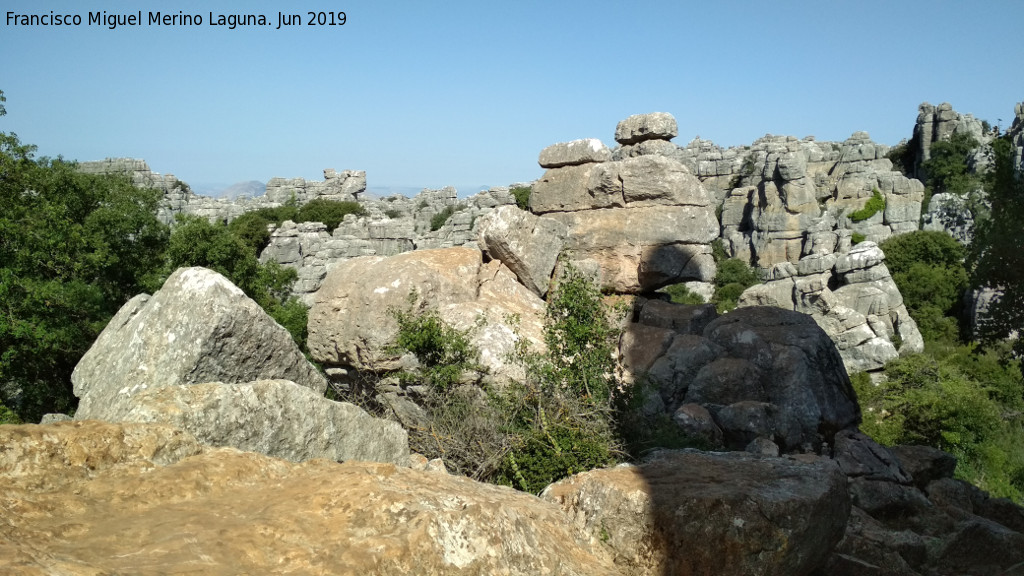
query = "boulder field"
{"x": 204, "y": 444}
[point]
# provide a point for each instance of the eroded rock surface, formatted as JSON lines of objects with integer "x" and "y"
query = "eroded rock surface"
{"x": 95, "y": 498}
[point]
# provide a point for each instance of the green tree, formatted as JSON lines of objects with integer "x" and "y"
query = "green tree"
{"x": 198, "y": 242}
{"x": 997, "y": 249}
{"x": 928, "y": 268}
{"x": 946, "y": 168}
{"x": 73, "y": 249}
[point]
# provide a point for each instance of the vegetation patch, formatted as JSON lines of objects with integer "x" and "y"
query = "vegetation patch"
{"x": 874, "y": 205}
{"x": 439, "y": 219}
{"x": 522, "y": 196}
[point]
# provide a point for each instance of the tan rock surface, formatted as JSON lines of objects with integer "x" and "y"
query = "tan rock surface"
{"x": 94, "y": 498}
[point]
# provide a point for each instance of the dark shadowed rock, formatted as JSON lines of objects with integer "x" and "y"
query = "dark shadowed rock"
{"x": 690, "y": 512}
{"x": 199, "y": 327}
{"x": 924, "y": 463}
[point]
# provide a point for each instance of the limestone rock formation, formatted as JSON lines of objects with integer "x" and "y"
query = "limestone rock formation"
{"x": 197, "y": 328}
{"x": 643, "y": 222}
{"x": 529, "y": 245}
{"x": 852, "y": 297}
{"x": 640, "y": 127}
{"x": 351, "y": 324}
{"x": 273, "y": 417}
{"x": 574, "y": 153}
{"x": 96, "y": 498}
{"x": 759, "y": 372}
{"x": 690, "y": 512}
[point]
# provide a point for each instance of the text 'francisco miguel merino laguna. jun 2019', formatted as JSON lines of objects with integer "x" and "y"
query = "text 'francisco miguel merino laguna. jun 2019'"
{"x": 227, "y": 21}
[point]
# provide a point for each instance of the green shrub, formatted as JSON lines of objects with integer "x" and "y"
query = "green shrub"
{"x": 928, "y": 268}
{"x": 8, "y": 416}
{"x": 438, "y": 220}
{"x": 946, "y": 168}
{"x": 444, "y": 353}
{"x": 522, "y": 196}
{"x": 733, "y": 277}
{"x": 936, "y": 401}
{"x": 857, "y": 238}
{"x": 330, "y": 212}
{"x": 680, "y": 294}
{"x": 874, "y": 205}
{"x": 391, "y": 213}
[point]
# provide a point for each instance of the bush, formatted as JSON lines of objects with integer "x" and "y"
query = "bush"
{"x": 946, "y": 168}
{"x": 444, "y": 352}
{"x": 857, "y": 238}
{"x": 438, "y": 220}
{"x": 733, "y": 277}
{"x": 935, "y": 400}
{"x": 680, "y": 294}
{"x": 391, "y": 213}
{"x": 873, "y": 206}
{"x": 522, "y": 196}
{"x": 928, "y": 268}
{"x": 330, "y": 212}
{"x": 7, "y": 416}
{"x": 564, "y": 422}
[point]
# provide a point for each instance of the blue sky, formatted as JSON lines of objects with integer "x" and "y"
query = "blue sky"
{"x": 428, "y": 94}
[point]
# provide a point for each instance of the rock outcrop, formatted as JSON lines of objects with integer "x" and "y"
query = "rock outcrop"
{"x": 852, "y": 297}
{"x": 529, "y": 245}
{"x": 640, "y": 223}
{"x": 273, "y": 417}
{"x": 199, "y": 327}
{"x": 690, "y": 512}
{"x": 351, "y": 324}
{"x": 755, "y": 373}
{"x": 96, "y": 498}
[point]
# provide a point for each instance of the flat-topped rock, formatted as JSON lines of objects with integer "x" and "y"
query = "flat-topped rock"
{"x": 640, "y": 127}
{"x": 583, "y": 151}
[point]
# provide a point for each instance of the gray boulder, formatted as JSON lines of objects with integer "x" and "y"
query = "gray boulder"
{"x": 573, "y": 153}
{"x": 690, "y": 512}
{"x": 640, "y": 127}
{"x": 199, "y": 327}
{"x": 529, "y": 245}
{"x": 273, "y": 417}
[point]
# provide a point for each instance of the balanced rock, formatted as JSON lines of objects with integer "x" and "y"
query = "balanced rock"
{"x": 640, "y": 127}
{"x": 97, "y": 498}
{"x": 691, "y": 512}
{"x": 199, "y": 327}
{"x": 574, "y": 153}
{"x": 529, "y": 245}
{"x": 273, "y": 417}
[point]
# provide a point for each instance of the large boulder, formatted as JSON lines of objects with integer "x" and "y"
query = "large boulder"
{"x": 199, "y": 327}
{"x": 274, "y": 417}
{"x": 761, "y": 372}
{"x": 352, "y": 324}
{"x": 690, "y": 512}
{"x": 97, "y": 498}
{"x": 529, "y": 245}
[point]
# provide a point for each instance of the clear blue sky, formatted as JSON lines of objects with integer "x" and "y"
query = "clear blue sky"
{"x": 428, "y": 94}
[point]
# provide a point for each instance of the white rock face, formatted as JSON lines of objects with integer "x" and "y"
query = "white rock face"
{"x": 529, "y": 245}
{"x": 863, "y": 313}
{"x": 199, "y": 327}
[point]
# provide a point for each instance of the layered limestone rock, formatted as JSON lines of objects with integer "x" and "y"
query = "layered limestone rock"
{"x": 690, "y": 512}
{"x": 574, "y": 153}
{"x": 641, "y": 223}
{"x": 852, "y": 297}
{"x": 940, "y": 123}
{"x": 96, "y": 498}
{"x": 393, "y": 225}
{"x": 755, "y": 374}
{"x": 273, "y": 417}
{"x": 352, "y": 325}
{"x": 199, "y": 327}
